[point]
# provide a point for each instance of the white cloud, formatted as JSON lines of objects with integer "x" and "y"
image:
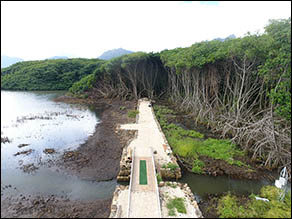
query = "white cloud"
{"x": 37, "y": 30}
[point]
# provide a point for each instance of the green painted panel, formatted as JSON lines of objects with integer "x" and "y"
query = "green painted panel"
{"x": 143, "y": 173}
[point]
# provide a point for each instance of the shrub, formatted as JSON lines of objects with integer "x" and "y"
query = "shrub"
{"x": 170, "y": 165}
{"x": 83, "y": 85}
{"x": 177, "y": 203}
{"x": 158, "y": 177}
{"x": 132, "y": 113}
{"x": 197, "y": 166}
{"x": 228, "y": 205}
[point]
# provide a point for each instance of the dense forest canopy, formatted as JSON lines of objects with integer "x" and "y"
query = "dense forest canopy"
{"x": 239, "y": 87}
{"x": 55, "y": 74}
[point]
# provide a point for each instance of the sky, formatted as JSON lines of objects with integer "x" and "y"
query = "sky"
{"x": 35, "y": 30}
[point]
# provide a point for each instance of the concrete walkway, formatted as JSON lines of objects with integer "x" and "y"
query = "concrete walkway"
{"x": 148, "y": 134}
{"x": 144, "y": 199}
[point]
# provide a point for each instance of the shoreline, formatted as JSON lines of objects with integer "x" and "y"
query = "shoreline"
{"x": 97, "y": 159}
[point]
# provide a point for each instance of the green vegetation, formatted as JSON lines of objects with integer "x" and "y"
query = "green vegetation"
{"x": 83, "y": 85}
{"x": 229, "y": 205}
{"x": 143, "y": 173}
{"x": 170, "y": 165}
{"x": 172, "y": 185}
{"x": 59, "y": 74}
{"x": 176, "y": 203}
{"x": 180, "y": 132}
{"x": 277, "y": 67}
{"x": 189, "y": 144}
{"x": 198, "y": 166}
{"x": 122, "y": 107}
{"x": 160, "y": 113}
{"x": 239, "y": 87}
{"x": 133, "y": 113}
{"x": 159, "y": 178}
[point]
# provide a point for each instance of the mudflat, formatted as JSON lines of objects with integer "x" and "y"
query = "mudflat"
{"x": 97, "y": 159}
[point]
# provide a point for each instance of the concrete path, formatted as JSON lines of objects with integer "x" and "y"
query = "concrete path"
{"x": 144, "y": 199}
{"x": 148, "y": 134}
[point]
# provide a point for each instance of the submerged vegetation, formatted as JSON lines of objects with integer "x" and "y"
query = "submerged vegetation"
{"x": 229, "y": 206}
{"x": 240, "y": 88}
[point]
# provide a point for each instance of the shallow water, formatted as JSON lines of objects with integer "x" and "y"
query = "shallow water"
{"x": 202, "y": 185}
{"x": 33, "y": 118}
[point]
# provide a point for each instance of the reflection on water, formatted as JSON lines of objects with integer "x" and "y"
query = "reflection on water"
{"x": 47, "y": 182}
{"x": 33, "y": 118}
{"x": 202, "y": 185}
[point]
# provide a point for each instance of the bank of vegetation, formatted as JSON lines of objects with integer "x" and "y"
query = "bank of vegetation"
{"x": 58, "y": 74}
{"x": 230, "y": 206}
{"x": 198, "y": 153}
{"x": 240, "y": 88}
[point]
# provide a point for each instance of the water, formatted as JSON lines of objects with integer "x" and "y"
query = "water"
{"x": 202, "y": 185}
{"x": 33, "y": 118}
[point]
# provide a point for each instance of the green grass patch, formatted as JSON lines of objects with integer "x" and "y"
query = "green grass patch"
{"x": 171, "y": 212}
{"x": 198, "y": 165}
{"x": 219, "y": 149}
{"x": 159, "y": 178}
{"x": 171, "y": 166}
{"x": 143, "y": 173}
{"x": 132, "y": 113}
{"x": 229, "y": 206}
{"x": 180, "y": 132}
{"x": 176, "y": 203}
{"x": 190, "y": 144}
{"x": 162, "y": 110}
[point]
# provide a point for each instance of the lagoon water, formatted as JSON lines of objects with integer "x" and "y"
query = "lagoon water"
{"x": 33, "y": 118}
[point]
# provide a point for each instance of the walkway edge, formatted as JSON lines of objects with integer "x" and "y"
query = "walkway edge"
{"x": 156, "y": 183}
{"x": 130, "y": 186}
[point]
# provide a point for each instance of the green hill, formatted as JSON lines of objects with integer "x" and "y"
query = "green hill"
{"x": 54, "y": 74}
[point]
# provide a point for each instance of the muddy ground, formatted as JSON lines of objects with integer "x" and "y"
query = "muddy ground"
{"x": 97, "y": 159}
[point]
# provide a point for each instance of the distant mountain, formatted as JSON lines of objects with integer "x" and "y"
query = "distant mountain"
{"x": 232, "y": 36}
{"x": 58, "y": 57}
{"x": 7, "y": 61}
{"x": 114, "y": 53}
